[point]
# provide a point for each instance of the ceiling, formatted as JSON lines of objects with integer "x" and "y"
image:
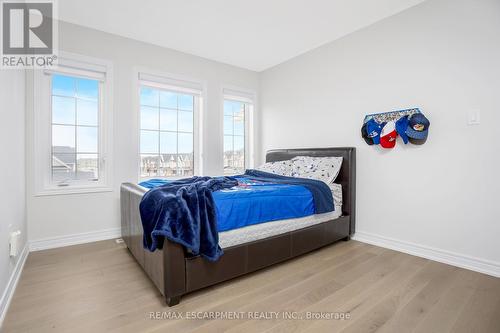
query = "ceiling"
{"x": 252, "y": 34}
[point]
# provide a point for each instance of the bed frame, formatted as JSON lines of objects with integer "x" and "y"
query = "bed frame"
{"x": 176, "y": 273}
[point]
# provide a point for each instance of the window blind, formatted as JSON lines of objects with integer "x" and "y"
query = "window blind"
{"x": 169, "y": 83}
{"x": 79, "y": 68}
{"x": 238, "y": 95}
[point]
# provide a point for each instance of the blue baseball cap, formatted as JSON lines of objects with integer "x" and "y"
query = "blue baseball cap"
{"x": 401, "y": 126}
{"x": 418, "y": 129}
{"x": 373, "y": 130}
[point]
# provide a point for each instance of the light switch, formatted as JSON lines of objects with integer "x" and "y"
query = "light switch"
{"x": 474, "y": 117}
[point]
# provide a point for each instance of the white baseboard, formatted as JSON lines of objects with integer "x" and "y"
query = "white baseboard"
{"x": 11, "y": 285}
{"x": 61, "y": 241}
{"x": 450, "y": 258}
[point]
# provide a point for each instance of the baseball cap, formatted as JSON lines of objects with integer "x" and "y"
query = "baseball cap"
{"x": 373, "y": 130}
{"x": 418, "y": 129}
{"x": 401, "y": 126}
{"x": 388, "y": 135}
{"x": 365, "y": 136}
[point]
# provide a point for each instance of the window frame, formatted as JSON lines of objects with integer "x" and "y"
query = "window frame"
{"x": 79, "y": 66}
{"x": 178, "y": 84}
{"x": 249, "y": 98}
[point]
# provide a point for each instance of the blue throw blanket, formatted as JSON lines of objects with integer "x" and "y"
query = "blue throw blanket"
{"x": 323, "y": 198}
{"x": 183, "y": 211}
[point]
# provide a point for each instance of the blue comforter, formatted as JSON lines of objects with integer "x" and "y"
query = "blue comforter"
{"x": 254, "y": 201}
{"x": 232, "y": 202}
{"x": 323, "y": 198}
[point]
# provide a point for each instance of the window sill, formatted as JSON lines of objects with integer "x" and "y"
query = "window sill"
{"x": 72, "y": 190}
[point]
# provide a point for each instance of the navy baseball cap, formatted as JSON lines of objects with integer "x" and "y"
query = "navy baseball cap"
{"x": 401, "y": 126}
{"x": 418, "y": 129}
{"x": 373, "y": 130}
{"x": 365, "y": 136}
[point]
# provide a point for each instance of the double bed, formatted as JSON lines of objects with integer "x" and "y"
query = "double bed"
{"x": 175, "y": 271}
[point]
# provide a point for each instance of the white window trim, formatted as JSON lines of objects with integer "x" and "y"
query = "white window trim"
{"x": 73, "y": 65}
{"x": 176, "y": 83}
{"x": 248, "y": 96}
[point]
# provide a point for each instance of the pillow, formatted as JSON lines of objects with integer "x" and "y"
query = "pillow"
{"x": 325, "y": 169}
{"x": 282, "y": 168}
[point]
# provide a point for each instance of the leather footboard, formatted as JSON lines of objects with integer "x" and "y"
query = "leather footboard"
{"x": 245, "y": 258}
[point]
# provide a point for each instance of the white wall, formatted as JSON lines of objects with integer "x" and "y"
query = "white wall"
{"x": 442, "y": 56}
{"x": 12, "y": 160}
{"x": 60, "y": 216}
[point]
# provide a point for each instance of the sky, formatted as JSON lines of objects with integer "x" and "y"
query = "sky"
{"x": 75, "y": 113}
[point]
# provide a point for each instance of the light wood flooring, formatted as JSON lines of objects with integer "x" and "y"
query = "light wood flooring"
{"x": 98, "y": 287}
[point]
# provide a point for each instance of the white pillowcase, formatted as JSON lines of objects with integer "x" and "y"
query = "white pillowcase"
{"x": 325, "y": 169}
{"x": 282, "y": 168}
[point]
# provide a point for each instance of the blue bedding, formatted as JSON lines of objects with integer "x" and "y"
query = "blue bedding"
{"x": 255, "y": 201}
{"x": 183, "y": 211}
{"x": 259, "y": 198}
{"x": 255, "y": 197}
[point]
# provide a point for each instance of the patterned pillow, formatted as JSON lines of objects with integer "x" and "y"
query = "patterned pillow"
{"x": 325, "y": 169}
{"x": 282, "y": 168}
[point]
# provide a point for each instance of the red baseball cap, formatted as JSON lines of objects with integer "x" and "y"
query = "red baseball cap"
{"x": 388, "y": 135}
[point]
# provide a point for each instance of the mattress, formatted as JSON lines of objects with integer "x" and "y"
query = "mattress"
{"x": 264, "y": 230}
{"x": 268, "y": 229}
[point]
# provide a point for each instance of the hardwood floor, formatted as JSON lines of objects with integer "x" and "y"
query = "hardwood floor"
{"x": 98, "y": 287}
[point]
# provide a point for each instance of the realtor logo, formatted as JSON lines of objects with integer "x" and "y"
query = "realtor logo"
{"x": 28, "y": 34}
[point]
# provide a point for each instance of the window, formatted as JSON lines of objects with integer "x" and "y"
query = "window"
{"x": 168, "y": 123}
{"x": 75, "y": 129}
{"x": 237, "y": 120}
{"x": 72, "y": 123}
{"x": 234, "y": 137}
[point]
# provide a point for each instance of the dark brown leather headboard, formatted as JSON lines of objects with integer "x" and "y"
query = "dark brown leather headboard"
{"x": 346, "y": 177}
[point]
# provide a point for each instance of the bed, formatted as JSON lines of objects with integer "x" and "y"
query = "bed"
{"x": 175, "y": 272}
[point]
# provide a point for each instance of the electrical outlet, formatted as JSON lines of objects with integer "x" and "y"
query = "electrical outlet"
{"x": 14, "y": 243}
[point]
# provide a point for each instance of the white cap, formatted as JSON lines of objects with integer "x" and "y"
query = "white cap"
{"x": 388, "y": 128}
